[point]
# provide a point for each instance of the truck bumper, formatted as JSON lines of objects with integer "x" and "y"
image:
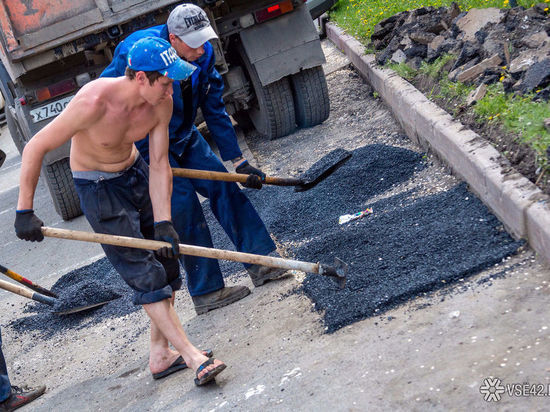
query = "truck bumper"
{"x": 283, "y": 46}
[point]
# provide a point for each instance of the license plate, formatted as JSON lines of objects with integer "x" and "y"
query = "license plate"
{"x": 50, "y": 110}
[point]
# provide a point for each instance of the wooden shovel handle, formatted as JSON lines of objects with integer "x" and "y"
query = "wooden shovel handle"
{"x": 24, "y": 281}
{"x": 22, "y": 291}
{"x": 184, "y": 249}
{"x": 233, "y": 177}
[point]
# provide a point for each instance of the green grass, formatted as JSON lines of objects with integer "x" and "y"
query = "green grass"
{"x": 358, "y": 17}
{"x": 519, "y": 115}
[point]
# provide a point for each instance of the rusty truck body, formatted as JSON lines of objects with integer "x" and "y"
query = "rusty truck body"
{"x": 268, "y": 52}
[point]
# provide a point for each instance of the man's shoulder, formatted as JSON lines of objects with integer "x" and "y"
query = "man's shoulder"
{"x": 98, "y": 92}
{"x": 155, "y": 31}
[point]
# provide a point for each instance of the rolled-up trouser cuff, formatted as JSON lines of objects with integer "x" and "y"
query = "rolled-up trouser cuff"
{"x": 144, "y": 298}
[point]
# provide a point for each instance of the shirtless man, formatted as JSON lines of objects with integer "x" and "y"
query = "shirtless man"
{"x": 119, "y": 194}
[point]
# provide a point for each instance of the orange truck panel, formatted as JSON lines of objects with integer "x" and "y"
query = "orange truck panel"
{"x": 21, "y": 17}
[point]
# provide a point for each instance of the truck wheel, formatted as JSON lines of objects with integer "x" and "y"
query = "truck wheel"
{"x": 311, "y": 99}
{"x": 272, "y": 111}
{"x": 61, "y": 185}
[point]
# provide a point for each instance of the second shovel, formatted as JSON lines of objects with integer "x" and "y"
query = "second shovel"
{"x": 317, "y": 173}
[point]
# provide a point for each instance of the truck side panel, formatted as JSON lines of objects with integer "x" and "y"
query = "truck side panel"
{"x": 33, "y": 22}
{"x": 283, "y": 46}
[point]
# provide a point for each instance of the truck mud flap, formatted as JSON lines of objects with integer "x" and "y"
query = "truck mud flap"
{"x": 283, "y": 46}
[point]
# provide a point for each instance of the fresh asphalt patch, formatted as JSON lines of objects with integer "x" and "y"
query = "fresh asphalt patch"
{"x": 94, "y": 283}
{"x": 410, "y": 244}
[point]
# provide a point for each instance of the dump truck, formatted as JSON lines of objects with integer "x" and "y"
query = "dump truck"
{"x": 268, "y": 53}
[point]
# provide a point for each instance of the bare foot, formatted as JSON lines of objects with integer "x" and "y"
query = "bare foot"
{"x": 164, "y": 360}
{"x": 161, "y": 361}
{"x": 207, "y": 371}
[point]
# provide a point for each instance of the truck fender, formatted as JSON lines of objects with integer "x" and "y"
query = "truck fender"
{"x": 283, "y": 46}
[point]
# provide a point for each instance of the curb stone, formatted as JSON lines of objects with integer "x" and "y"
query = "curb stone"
{"x": 522, "y": 207}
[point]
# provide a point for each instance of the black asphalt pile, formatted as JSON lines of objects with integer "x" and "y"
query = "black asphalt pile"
{"x": 94, "y": 283}
{"x": 409, "y": 245}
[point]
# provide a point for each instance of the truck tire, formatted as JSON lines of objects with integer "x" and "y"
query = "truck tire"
{"x": 61, "y": 185}
{"x": 272, "y": 111}
{"x": 311, "y": 100}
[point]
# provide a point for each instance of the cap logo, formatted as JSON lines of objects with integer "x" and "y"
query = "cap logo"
{"x": 169, "y": 56}
{"x": 199, "y": 21}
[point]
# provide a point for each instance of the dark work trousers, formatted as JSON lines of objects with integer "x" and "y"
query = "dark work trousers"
{"x": 229, "y": 204}
{"x": 119, "y": 204}
{"x": 5, "y": 386}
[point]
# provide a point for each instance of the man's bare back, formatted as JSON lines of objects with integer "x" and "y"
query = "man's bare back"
{"x": 106, "y": 143}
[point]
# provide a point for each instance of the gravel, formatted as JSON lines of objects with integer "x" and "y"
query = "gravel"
{"x": 411, "y": 244}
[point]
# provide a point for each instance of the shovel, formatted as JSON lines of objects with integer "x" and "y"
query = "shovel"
{"x": 338, "y": 271}
{"x": 317, "y": 173}
{"x": 22, "y": 291}
{"x": 26, "y": 282}
{"x": 38, "y": 297}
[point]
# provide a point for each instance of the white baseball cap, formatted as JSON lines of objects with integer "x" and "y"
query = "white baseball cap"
{"x": 190, "y": 23}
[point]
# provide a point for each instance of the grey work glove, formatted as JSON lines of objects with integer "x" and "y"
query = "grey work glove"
{"x": 165, "y": 232}
{"x": 27, "y": 226}
{"x": 255, "y": 175}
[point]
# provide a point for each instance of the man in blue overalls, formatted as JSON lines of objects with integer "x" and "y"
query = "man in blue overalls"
{"x": 188, "y": 30}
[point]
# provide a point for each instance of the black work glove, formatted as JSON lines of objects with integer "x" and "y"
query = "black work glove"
{"x": 27, "y": 226}
{"x": 255, "y": 178}
{"x": 165, "y": 231}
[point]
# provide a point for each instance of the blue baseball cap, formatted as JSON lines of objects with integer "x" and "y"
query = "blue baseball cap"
{"x": 153, "y": 54}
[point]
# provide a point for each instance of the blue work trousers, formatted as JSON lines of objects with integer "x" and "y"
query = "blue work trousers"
{"x": 229, "y": 204}
{"x": 5, "y": 386}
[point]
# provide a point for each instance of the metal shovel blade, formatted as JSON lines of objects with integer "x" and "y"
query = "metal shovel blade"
{"x": 339, "y": 271}
{"x": 81, "y": 309}
{"x": 323, "y": 169}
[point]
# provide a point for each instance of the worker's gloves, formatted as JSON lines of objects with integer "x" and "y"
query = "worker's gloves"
{"x": 165, "y": 232}
{"x": 255, "y": 176}
{"x": 27, "y": 225}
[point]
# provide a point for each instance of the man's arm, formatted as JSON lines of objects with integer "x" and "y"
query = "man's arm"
{"x": 160, "y": 182}
{"x": 221, "y": 128}
{"x": 213, "y": 110}
{"x": 160, "y": 173}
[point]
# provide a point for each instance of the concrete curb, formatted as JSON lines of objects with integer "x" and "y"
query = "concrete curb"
{"x": 518, "y": 203}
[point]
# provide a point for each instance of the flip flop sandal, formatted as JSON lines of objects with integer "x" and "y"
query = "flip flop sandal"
{"x": 210, "y": 375}
{"x": 178, "y": 365}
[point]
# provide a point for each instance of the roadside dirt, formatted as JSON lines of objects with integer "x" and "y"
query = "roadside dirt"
{"x": 521, "y": 156}
{"x": 433, "y": 352}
